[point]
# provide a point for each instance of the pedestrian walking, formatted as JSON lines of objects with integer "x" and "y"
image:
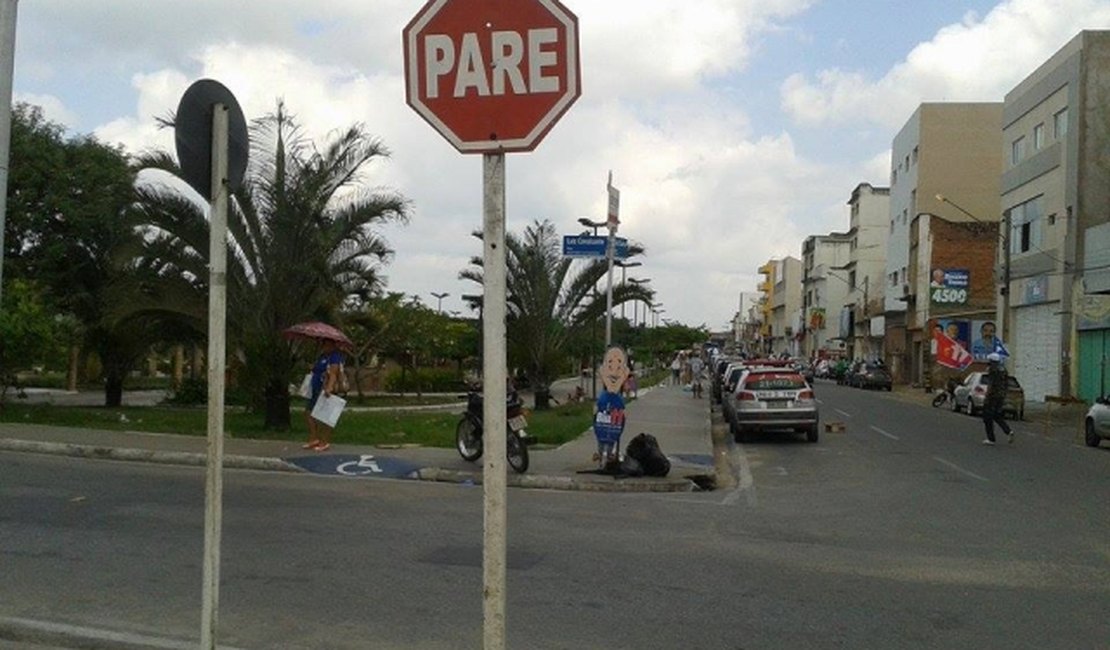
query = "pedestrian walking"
{"x": 696, "y": 367}
{"x": 676, "y": 368}
{"x": 993, "y": 403}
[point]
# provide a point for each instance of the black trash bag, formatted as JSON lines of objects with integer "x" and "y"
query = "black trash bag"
{"x": 631, "y": 467}
{"x": 645, "y": 449}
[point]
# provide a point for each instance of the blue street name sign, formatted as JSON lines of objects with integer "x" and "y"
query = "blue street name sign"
{"x": 593, "y": 246}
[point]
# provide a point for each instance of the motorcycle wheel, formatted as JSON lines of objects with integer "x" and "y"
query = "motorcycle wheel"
{"x": 517, "y": 453}
{"x": 468, "y": 439}
{"x": 940, "y": 399}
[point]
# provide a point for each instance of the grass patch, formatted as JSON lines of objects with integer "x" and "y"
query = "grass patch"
{"x": 430, "y": 429}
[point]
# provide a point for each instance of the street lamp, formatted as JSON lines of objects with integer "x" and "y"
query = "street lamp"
{"x": 585, "y": 221}
{"x": 439, "y": 297}
{"x": 625, "y": 265}
{"x": 636, "y": 304}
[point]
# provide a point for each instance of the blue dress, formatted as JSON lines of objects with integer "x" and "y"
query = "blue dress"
{"x": 319, "y": 372}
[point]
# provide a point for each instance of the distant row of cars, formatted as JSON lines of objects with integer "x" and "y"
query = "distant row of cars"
{"x": 758, "y": 395}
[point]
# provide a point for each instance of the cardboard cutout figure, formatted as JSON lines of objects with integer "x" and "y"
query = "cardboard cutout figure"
{"x": 609, "y": 417}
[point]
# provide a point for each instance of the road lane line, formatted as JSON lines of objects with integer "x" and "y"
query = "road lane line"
{"x": 959, "y": 469}
{"x": 888, "y": 435}
{"x": 847, "y": 415}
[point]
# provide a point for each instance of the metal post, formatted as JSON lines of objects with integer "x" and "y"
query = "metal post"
{"x": 1004, "y": 317}
{"x": 8, "y": 11}
{"x": 217, "y": 346}
{"x": 609, "y": 287}
{"x": 493, "y": 408}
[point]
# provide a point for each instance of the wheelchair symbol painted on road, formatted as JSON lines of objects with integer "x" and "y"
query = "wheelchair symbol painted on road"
{"x": 363, "y": 466}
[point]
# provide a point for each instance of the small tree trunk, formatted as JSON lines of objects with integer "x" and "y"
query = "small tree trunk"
{"x": 71, "y": 374}
{"x": 113, "y": 389}
{"x": 277, "y": 406}
{"x": 178, "y": 365}
{"x": 543, "y": 396}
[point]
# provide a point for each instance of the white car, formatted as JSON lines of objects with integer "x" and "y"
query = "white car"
{"x": 1096, "y": 424}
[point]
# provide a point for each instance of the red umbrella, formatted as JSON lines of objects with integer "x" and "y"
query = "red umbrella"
{"x": 316, "y": 330}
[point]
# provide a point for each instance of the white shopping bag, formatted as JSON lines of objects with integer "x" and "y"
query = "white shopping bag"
{"x": 305, "y": 390}
{"x": 328, "y": 408}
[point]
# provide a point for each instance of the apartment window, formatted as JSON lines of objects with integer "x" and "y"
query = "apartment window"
{"x": 1017, "y": 150}
{"x": 914, "y": 155}
{"x": 1027, "y": 225}
{"x": 892, "y": 278}
{"x": 1038, "y": 136}
{"x": 907, "y": 162}
{"x": 1060, "y": 124}
{"x": 852, "y": 279}
{"x": 894, "y": 177}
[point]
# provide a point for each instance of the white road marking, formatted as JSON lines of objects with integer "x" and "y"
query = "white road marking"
{"x": 888, "y": 435}
{"x": 847, "y": 415}
{"x": 959, "y": 469}
{"x": 745, "y": 486}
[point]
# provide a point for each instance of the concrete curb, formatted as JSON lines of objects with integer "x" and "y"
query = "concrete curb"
{"x": 145, "y": 455}
{"x": 73, "y": 636}
{"x": 571, "y": 483}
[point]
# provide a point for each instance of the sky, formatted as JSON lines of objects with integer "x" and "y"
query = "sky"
{"x": 734, "y": 129}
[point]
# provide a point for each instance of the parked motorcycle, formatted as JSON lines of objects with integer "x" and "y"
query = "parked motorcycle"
{"x": 945, "y": 395}
{"x": 468, "y": 432}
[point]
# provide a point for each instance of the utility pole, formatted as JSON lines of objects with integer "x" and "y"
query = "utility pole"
{"x": 8, "y": 11}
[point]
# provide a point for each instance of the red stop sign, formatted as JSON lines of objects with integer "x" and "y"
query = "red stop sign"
{"x": 492, "y": 75}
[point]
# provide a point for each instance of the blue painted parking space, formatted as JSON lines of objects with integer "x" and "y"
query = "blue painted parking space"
{"x": 362, "y": 466}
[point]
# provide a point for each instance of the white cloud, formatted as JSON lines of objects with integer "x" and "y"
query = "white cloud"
{"x": 975, "y": 60}
{"x": 52, "y": 108}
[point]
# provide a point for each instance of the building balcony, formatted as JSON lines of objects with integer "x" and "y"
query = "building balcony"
{"x": 765, "y": 286}
{"x": 767, "y": 269}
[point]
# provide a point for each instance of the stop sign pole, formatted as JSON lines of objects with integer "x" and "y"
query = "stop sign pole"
{"x": 492, "y": 77}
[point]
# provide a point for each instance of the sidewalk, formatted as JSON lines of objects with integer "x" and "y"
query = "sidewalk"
{"x": 677, "y": 420}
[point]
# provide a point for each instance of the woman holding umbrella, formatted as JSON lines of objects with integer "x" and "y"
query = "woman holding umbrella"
{"x": 325, "y": 374}
{"x": 325, "y": 379}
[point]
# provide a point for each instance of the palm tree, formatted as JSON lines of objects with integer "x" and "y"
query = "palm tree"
{"x": 549, "y": 301}
{"x": 302, "y": 241}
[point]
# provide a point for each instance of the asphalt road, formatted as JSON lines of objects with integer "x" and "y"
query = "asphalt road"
{"x": 901, "y": 532}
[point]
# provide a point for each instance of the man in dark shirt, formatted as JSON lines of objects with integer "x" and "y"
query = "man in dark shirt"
{"x": 997, "y": 381}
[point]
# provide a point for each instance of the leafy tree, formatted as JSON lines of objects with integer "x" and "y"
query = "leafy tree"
{"x": 27, "y": 332}
{"x": 302, "y": 241}
{"x": 68, "y": 206}
{"x": 549, "y": 300}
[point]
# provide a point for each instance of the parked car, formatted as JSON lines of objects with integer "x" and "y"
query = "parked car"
{"x": 732, "y": 378}
{"x": 716, "y": 379}
{"x": 970, "y": 394}
{"x": 872, "y": 375}
{"x": 773, "y": 398}
{"x": 1096, "y": 424}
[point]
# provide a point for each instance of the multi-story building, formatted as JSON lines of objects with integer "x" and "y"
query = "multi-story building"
{"x": 823, "y": 293}
{"x": 869, "y": 209}
{"x": 1055, "y": 192}
{"x": 766, "y": 289}
{"x": 786, "y": 303}
{"x": 945, "y": 162}
{"x": 745, "y": 326}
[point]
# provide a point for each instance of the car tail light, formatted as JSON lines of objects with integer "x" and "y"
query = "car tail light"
{"x": 979, "y": 390}
{"x": 745, "y": 396}
{"x": 805, "y": 395}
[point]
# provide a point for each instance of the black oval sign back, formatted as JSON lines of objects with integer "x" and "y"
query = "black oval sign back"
{"x": 193, "y": 136}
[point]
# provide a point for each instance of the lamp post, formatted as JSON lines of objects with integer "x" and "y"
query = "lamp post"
{"x": 636, "y": 304}
{"x": 439, "y": 297}
{"x": 586, "y": 221}
{"x": 625, "y": 265}
{"x": 1004, "y": 318}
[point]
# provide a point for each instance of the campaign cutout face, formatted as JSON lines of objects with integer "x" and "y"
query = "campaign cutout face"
{"x": 614, "y": 369}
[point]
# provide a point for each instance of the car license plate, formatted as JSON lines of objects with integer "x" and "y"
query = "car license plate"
{"x": 778, "y": 403}
{"x": 776, "y": 395}
{"x": 517, "y": 423}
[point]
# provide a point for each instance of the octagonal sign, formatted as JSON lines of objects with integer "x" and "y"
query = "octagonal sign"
{"x": 492, "y": 75}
